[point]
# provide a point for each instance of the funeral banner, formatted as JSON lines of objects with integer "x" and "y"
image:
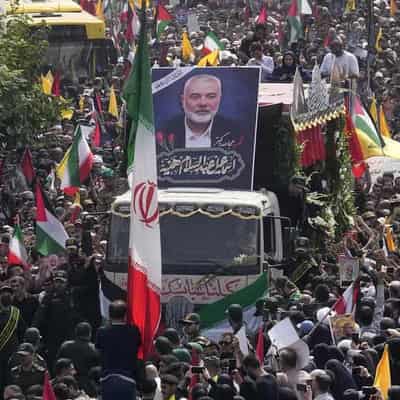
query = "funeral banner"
{"x": 205, "y": 123}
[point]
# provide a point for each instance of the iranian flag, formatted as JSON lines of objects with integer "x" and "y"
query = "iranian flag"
{"x": 348, "y": 300}
{"x": 144, "y": 269}
{"x": 163, "y": 19}
{"x": 211, "y": 43}
{"x": 17, "y": 254}
{"x": 76, "y": 165}
{"x": 50, "y": 232}
{"x": 294, "y": 18}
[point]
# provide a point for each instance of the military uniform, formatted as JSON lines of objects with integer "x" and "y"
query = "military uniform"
{"x": 26, "y": 378}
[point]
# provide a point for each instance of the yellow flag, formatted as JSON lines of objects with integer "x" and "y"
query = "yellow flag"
{"x": 46, "y": 84}
{"x": 50, "y": 77}
{"x": 81, "y": 103}
{"x": 390, "y": 243}
{"x": 350, "y": 5}
{"x": 378, "y": 41}
{"x": 373, "y": 110}
{"x": 187, "y": 49}
{"x": 112, "y": 104}
{"x": 210, "y": 60}
{"x": 99, "y": 10}
{"x": 382, "y": 375}
{"x": 383, "y": 125}
{"x": 393, "y": 8}
{"x": 66, "y": 112}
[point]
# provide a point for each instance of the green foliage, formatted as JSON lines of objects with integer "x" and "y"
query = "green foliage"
{"x": 340, "y": 179}
{"x": 286, "y": 154}
{"x": 25, "y": 111}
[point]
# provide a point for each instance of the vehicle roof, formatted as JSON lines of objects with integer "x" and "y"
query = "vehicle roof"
{"x": 43, "y": 6}
{"x": 211, "y": 196}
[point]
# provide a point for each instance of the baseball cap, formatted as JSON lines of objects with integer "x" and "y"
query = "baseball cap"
{"x": 25, "y": 349}
{"x": 182, "y": 355}
{"x": 305, "y": 327}
{"x": 191, "y": 318}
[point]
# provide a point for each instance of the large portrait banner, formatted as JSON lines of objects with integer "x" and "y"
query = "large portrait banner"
{"x": 205, "y": 123}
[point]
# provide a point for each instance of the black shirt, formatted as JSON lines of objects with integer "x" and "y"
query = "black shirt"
{"x": 27, "y": 307}
{"x": 119, "y": 345}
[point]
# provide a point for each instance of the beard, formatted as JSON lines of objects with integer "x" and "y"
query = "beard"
{"x": 200, "y": 117}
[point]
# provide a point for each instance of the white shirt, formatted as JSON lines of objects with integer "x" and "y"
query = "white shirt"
{"x": 196, "y": 141}
{"x": 267, "y": 66}
{"x": 347, "y": 64}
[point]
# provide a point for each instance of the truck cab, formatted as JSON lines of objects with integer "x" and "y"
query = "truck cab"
{"x": 214, "y": 242}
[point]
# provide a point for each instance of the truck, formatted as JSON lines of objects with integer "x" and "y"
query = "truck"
{"x": 77, "y": 41}
{"x": 214, "y": 242}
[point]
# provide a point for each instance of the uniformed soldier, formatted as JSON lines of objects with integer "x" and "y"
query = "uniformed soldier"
{"x": 28, "y": 372}
{"x": 32, "y": 336}
{"x": 12, "y": 329}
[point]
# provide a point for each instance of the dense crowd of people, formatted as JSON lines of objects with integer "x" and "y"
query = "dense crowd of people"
{"x": 50, "y": 320}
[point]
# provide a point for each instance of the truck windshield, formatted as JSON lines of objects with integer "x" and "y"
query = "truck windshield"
{"x": 198, "y": 244}
{"x": 75, "y": 58}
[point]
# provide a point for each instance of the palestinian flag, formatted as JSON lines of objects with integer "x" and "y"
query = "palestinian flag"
{"x": 50, "y": 232}
{"x": 294, "y": 19}
{"x": 211, "y": 44}
{"x": 17, "y": 254}
{"x": 371, "y": 143}
{"x": 76, "y": 165}
{"x": 213, "y": 316}
{"x": 163, "y": 20}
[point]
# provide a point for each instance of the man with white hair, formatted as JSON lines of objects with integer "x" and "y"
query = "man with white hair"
{"x": 201, "y": 126}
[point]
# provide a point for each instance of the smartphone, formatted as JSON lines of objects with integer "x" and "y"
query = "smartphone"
{"x": 232, "y": 364}
{"x": 369, "y": 390}
{"x": 196, "y": 369}
{"x": 301, "y": 387}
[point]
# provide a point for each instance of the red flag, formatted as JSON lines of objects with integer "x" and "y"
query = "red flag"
{"x": 348, "y": 300}
{"x": 48, "y": 392}
{"x": 263, "y": 16}
{"x": 55, "y": 89}
{"x": 260, "y": 345}
{"x": 96, "y": 140}
{"x": 193, "y": 379}
{"x": 27, "y": 166}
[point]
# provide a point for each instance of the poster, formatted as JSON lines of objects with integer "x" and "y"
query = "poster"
{"x": 342, "y": 326}
{"x": 349, "y": 268}
{"x": 205, "y": 124}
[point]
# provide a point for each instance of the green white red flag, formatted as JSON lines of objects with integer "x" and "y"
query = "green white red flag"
{"x": 211, "y": 43}
{"x": 17, "y": 254}
{"x": 144, "y": 269}
{"x": 76, "y": 165}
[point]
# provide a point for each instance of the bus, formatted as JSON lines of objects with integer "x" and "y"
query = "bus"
{"x": 77, "y": 42}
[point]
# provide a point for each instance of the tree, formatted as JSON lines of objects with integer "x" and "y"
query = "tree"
{"x": 25, "y": 111}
